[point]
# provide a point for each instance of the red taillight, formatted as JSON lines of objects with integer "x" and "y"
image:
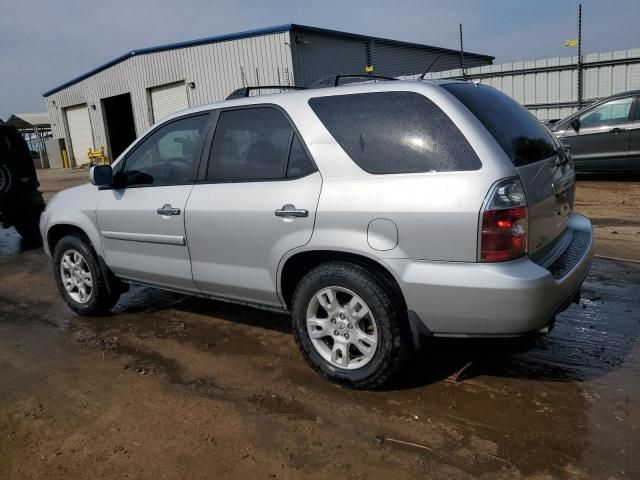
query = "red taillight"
{"x": 504, "y": 234}
{"x": 504, "y": 224}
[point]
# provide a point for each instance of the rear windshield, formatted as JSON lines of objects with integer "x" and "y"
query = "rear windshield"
{"x": 521, "y": 135}
{"x": 395, "y": 132}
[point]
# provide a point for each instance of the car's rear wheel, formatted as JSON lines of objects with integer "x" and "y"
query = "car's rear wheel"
{"x": 79, "y": 278}
{"x": 349, "y": 327}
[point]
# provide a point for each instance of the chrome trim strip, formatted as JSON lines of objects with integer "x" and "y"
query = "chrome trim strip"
{"x": 146, "y": 237}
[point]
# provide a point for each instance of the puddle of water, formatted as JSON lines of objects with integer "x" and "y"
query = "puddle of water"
{"x": 13, "y": 244}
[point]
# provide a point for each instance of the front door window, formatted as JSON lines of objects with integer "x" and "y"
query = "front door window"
{"x": 610, "y": 113}
{"x": 169, "y": 156}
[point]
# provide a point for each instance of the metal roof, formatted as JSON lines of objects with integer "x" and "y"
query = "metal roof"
{"x": 26, "y": 120}
{"x": 246, "y": 34}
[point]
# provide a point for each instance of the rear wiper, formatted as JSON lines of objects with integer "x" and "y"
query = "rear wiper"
{"x": 560, "y": 161}
{"x": 563, "y": 155}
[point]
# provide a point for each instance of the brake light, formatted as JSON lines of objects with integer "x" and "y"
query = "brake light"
{"x": 504, "y": 223}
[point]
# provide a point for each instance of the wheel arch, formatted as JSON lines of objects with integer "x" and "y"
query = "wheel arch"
{"x": 81, "y": 224}
{"x": 55, "y": 233}
{"x": 299, "y": 264}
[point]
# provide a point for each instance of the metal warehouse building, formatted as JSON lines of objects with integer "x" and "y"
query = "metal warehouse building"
{"x": 113, "y": 104}
{"x": 549, "y": 87}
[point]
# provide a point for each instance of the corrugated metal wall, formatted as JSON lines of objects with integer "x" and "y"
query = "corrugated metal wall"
{"x": 216, "y": 69}
{"x": 318, "y": 56}
{"x": 548, "y": 87}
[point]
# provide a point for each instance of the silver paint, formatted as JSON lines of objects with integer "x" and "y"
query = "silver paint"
{"x": 237, "y": 246}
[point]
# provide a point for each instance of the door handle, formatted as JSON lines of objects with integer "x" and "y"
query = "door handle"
{"x": 289, "y": 210}
{"x": 167, "y": 209}
{"x": 617, "y": 130}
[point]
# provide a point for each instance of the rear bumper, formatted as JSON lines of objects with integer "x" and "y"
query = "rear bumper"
{"x": 495, "y": 299}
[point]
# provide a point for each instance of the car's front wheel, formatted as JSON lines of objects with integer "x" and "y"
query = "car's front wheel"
{"x": 348, "y": 325}
{"x": 79, "y": 278}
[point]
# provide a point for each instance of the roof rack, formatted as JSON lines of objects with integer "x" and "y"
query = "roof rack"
{"x": 244, "y": 91}
{"x": 334, "y": 80}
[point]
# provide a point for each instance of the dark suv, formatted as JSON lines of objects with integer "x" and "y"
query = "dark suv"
{"x": 20, "y": 201}
{"x": 604, "y": 136}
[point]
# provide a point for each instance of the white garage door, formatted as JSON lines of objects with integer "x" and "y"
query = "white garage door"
{"x": 168, "y": 99}
{"x": 80, "y": 133}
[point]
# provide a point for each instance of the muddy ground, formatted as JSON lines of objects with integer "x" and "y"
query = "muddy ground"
{"x": 175, "y": 387}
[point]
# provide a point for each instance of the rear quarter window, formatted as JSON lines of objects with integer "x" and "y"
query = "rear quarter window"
{"x": 521, "y": 135}
{"x": 395, "y": 132}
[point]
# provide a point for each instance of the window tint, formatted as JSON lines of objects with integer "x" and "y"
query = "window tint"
{"x": 299, "y": 162}
{"x": 250, "y": 144}
{"x": 521, "y": 135}
{"x": 395, "y": 132}
{"x": 615, "y": 111}
{"x": 169, "y": 156}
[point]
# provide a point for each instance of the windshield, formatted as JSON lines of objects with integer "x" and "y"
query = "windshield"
{"x": 521, "y": 135}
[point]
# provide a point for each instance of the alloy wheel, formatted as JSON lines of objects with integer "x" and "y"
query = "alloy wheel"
{"x": 342, "y": 328}
{"x": 76, "y": 276}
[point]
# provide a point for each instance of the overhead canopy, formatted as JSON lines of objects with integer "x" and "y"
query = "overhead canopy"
{"x": 35, "y": 128}
{"x": 26, "y": 121}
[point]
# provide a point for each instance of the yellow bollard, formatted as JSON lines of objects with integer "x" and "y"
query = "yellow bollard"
{"x": 98, "y": 155}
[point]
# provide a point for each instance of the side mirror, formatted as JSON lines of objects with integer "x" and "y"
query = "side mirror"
{"x": 101, "y": 175}
{"x": 575, "y": 124}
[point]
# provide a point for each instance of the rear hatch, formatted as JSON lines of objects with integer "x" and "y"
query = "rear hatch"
{"x": 543, "y": 164}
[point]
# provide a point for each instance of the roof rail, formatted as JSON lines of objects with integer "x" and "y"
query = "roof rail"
{"x": 244, "y": 91}
{"x": 334, "y": 80}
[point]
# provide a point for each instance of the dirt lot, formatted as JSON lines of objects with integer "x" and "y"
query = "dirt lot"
{"x": 176, "y": 387}
{"x": 613, "y": 204}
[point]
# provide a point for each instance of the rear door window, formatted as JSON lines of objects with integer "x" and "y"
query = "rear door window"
{"x": 254, "y": 144}
{"x": 299, "y": 162}
{"x": 521, "y": 135}
{"x": 395, "y": 132}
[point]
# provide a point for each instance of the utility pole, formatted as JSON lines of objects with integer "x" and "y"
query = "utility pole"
{"x": 580, "y": 56}
{"x": 464, "y": 75}
{"x": 369, "y": 67}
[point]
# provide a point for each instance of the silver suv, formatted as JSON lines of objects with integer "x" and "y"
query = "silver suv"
{"x": 377, "y": 214}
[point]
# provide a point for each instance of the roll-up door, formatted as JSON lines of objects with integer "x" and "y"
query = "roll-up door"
{"x": 80, "y": 132}
{"x": 168, "y": 99}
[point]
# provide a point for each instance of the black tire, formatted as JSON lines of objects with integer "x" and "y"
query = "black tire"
{"x": 5, "y": 179}
{"x": 394, "y": 340}
{"x": 100, "y": 300}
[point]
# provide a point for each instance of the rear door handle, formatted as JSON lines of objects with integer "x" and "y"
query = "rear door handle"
{"x": 289, "y": 210}
{"x": 167, "y": 209}
{"x": 617, "y": 130}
